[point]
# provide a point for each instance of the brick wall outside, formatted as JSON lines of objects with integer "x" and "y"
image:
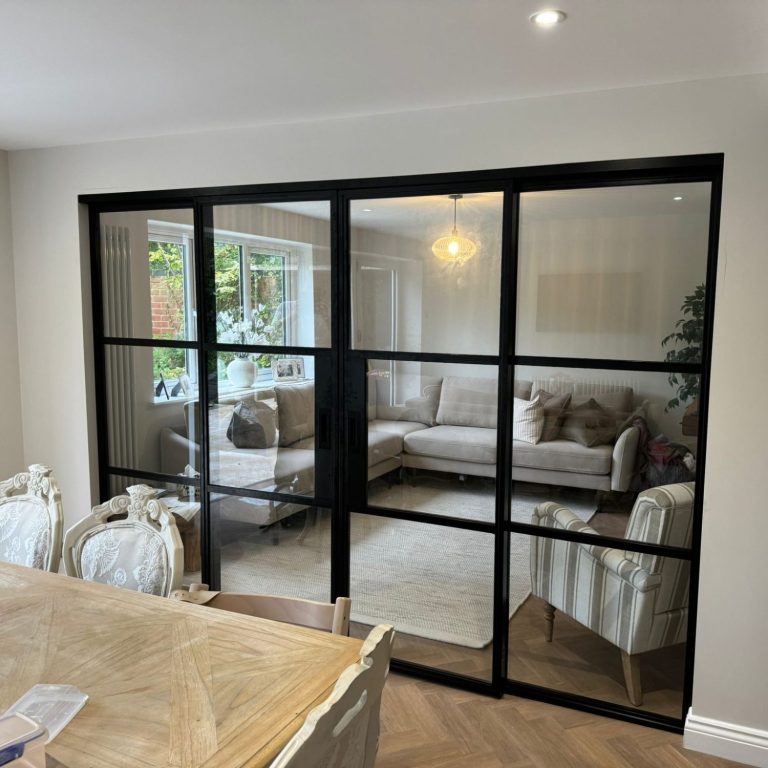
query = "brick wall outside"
{"x": 167, "y": 309}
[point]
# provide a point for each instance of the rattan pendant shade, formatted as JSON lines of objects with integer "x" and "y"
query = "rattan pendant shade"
{"x": 454, "y": 248}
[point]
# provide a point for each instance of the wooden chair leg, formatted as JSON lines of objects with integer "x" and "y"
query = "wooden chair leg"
{"x": 549, "y": 618}
{"x": 631, "y": 665}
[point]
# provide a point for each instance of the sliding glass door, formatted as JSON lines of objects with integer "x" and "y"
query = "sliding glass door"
{"x": 611, "y": 340}
{"x": 474, "y": 403}
{"x": 423, "y": 364}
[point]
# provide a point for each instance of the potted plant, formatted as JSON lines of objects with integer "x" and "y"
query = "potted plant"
{"x": 685, "y": 342}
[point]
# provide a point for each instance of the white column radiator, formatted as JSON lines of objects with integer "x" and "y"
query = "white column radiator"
{"x": 118, "y": 321}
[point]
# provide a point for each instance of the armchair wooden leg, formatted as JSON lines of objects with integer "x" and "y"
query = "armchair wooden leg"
{"x": 549, "y": 617}
{"x": 631, "y": 665}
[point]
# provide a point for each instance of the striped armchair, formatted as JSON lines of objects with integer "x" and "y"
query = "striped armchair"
{"x": 636, "y": 601}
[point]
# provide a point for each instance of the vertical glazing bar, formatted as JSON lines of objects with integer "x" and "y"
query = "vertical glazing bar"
{"x": 504, "y": 441}
{"x": 205, "y": 280}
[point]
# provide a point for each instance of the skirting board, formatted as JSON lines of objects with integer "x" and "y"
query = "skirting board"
{"x": 733, "y": 742}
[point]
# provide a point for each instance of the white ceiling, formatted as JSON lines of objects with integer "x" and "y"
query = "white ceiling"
{"x": 74, "y": 71}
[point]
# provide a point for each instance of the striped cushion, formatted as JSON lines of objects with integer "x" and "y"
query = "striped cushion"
{"x": 528, "y": 420}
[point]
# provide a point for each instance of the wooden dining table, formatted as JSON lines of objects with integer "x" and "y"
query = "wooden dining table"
{"x": 169, "y": 683}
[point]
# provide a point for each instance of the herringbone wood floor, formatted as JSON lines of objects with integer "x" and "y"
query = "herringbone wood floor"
{"x": 429, "y": 726}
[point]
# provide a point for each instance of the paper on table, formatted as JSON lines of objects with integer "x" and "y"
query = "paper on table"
{"x": 52, "y": 706}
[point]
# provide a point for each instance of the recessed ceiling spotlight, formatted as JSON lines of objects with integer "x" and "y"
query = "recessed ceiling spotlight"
{"x": 677, "y": 197}
{"x": 548, "y": 18}
{"x": 367, "y": 210}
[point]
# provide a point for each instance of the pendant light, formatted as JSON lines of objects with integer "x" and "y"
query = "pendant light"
{"x": 454, "y": 249}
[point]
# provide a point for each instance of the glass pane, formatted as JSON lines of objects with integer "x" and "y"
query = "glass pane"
{"x": 273, "y": 548}
{"x": 262, "y": 423}
{"x": 608, "y": 604}
{"x": 272, "y": 264}
{"x": 184, "y": 501}
{"x": 432, "y": 438}
{"x": 148, "y": 274}
{"x": 611, "y": 272}
{"x": 149, "y": 391}
{"x": 433, "y": 584}
{"x": 597, "y": 442}
{"x": 405, "y": 297}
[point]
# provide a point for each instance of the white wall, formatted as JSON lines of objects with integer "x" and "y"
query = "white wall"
{"x": 11, "y": 439}
{"x": 727, "y": 115}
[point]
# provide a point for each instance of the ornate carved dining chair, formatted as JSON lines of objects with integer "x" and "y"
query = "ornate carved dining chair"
{"x": 142, "y": 552}
{"x": 31, "y": 519}
{"x": 636, "y": 601}
{"x": 343, "y": 730}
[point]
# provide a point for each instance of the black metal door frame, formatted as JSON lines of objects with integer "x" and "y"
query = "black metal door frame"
{"x": 341, "y": 407}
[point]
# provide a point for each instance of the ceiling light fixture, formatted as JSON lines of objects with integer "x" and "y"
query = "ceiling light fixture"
{"x": 548, "y": 18}
{"x": 678, "y": 197}
{"x": 367, "y": 210}
{"x": 453, "y": 248}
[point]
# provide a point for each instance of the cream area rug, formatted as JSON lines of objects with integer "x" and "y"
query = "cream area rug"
{"x": 430, "y": 581}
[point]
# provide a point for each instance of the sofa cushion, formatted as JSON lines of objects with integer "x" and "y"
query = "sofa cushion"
{"x": 523, "y": 389}
{"x": 476, "y": 444}
{"x": 401, "y": 428}
{"x": 468, "y": 402}
{"x": 423, "y": 409}
{"x": 619, "y": 402}
{"x": 563, "y": 456}
{"x": 528, "y": 420}
{"x": 554, "y": 413}
{"x": 252, "y": 426}
{"x": 295, "y": 411}
{"x": 589, "y": 424}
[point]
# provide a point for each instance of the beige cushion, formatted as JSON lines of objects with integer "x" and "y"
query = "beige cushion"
{"x": 401, "y": 428}
{"x": 563, "y": 456}
{"x": 527, "y": 420}
{"x": 295, "y": 411}
{"x": 423, "y": 409}
{"x": 619, "y": 402}
{"x": 589, "y": 424}
{"x": 468, "y": 402}
{"x": 523, "y": 389}
{"x": 554, "y": 413}
{"x": 476, "y": 444}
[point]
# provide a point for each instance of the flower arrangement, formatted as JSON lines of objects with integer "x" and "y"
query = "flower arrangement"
{"x": 232, "y": 328}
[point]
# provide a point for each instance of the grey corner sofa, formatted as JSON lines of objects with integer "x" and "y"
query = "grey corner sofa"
{"x": 450, "y": 427}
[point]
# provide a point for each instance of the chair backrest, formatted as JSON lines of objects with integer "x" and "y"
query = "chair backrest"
{"x": 338, "y": 732}
{"x": 378, "y": 649}
{"x": 31, "y": 519}
{"x": 664, "y": 515}
{"x": 142, "y": 552}
{"x": 329, "y": 617}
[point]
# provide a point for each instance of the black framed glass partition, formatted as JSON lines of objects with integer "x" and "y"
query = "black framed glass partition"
{"x": 475, "y": 403}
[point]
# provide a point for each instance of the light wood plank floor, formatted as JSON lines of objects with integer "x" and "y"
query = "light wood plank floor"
{"x": 430, "y": 726}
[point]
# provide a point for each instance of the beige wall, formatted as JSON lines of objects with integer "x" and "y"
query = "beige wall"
{"x": 11, "y": 440}
{"x": 727, "y": 115}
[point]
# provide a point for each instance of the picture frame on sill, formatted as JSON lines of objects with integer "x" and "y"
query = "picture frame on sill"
{"x": 288, "y": 369}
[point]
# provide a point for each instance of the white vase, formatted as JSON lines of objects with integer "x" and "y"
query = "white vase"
{"x": 241, "y": 372}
